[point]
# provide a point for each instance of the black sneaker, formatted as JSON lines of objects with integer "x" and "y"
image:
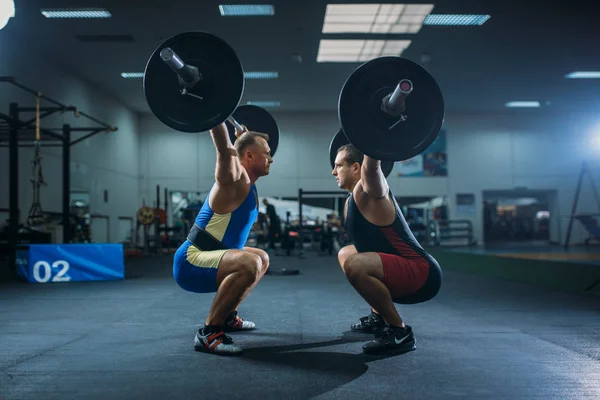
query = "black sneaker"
{"x": 209, "y": 341}
{"x": 234, "y": 323}
{"x": 392, "y": 340}
{"x": 372, "y": 323}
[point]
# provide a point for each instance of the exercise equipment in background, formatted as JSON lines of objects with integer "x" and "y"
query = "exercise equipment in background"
{"x": 158, "y": 237}
{"x": 588, "y": 220}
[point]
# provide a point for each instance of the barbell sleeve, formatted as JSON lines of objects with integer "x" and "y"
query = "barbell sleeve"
{"x": 185, "y": 72}
{"x": 236, "y": 124}
{"x": 395, "y": 101}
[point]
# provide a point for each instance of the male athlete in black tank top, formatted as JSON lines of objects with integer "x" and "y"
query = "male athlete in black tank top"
{"x": 385, "y": 264}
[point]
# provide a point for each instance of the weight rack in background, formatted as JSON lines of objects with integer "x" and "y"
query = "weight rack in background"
{"x": 589, "y": 221}
{"x": 15, "y": 133}
{"x": 303, "y": 194}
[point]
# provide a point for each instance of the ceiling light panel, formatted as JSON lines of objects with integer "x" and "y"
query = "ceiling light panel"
{"x": 130, "y": 75}
{"x": 523, "y": 104}
{"x": 261, "y": 75}
{"x": 375, "y": 18}
{"x": 359, "y": 50}
{"x": 265, "y": 104}
{"x": 246, "y": 10}
{"x": 583, "y": 75}
{"x": 456, "y": 19}
{"x": 76, "y": 13}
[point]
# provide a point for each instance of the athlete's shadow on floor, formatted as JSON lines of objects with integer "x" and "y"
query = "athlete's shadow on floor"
{"x": 309, "y": 373}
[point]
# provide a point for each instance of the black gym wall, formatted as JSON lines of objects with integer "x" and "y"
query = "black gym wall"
{"x": 485, "y": 152}
{"x": 106, "y": 161}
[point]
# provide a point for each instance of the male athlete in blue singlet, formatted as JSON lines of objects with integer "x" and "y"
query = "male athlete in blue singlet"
{"x": 213, "y": 258}
{"x": 385, "y": 264}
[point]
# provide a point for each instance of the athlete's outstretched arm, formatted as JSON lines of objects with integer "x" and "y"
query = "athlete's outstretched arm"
{"x": 229, "y": 168}
{"x": 372, "y": 178}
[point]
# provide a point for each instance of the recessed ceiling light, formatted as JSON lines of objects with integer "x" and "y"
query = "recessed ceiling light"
{"x": 128, "y": 75}
{"x": 456, "y": 19}
{"x": 245, "y": 10}
{"x": 7, "y": 11}
{"x": 375, "y": 18}
{"x": 265, "y": 104}
{"x": 261, "y": 75}
{"x": 76, "y": 13}
{"x": 583, "y": 75}
{"x": 359, "y": 50}
{"x": 523, "y": 104}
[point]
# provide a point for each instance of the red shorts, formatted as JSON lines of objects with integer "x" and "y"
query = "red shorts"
{"x": 404, "y": 276}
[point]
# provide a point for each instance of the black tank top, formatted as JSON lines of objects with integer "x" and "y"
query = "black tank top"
{"x": 396, "y": 238}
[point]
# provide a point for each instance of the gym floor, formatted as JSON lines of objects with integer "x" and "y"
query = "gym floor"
{"x": 539, "y": 251}
{"x": 480, "y": 338}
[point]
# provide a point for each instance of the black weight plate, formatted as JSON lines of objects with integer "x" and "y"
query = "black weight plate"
{"x": 340, "y": 140}
{"x": 256, "y": 119}
{"x": 221, "y": 87}
{"x": 367, "y": 126}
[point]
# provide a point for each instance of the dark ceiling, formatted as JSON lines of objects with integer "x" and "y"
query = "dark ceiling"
{"x": 521, "y": 53}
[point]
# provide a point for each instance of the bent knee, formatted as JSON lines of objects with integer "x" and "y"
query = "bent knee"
{"x": 251, "y": 265}
{"x": 264, "y": 258}
{"x": 353, "y": 267}
{"x": 344, "y": 253}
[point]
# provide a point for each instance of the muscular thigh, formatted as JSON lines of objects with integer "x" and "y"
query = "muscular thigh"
{"x": 203, "y": 271}
{"x": 261, "y": 253}
{"x": 196, "y": 270}
{"x": 232, "y": 261}
{"x": 369, "y": 263}
{"x": 403, "y": 276}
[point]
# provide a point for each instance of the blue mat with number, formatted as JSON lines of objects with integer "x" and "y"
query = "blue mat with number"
{"x": 50, "y": 263}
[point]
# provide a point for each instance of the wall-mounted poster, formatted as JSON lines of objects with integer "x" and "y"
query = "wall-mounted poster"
{"x": 465, "y": 205}
{"x": 432, "y": 162}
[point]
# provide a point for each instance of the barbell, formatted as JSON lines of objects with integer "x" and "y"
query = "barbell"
{"x": 194, "y": 81}
{"x": 391, "y": 109}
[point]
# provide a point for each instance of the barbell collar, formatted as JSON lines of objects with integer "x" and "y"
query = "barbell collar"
{"x": 188, "y": 75}
{"x": 393, "y": 104}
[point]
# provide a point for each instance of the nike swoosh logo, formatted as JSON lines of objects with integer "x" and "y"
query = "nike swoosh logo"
{"x": 398, "y": 341}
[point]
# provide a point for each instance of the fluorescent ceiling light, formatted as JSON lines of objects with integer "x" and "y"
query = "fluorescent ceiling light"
{"x": 375, "y": 18}
{"x": 359, "y": 50}
{"x": 76, "y": 13}
{"x": 525, "y": 104}
{"x": 128, "y": 75}
{"x": 583, "y": 75}
{"x": 261, "y": 75}
{"x": 264, "y": 103}
{"x": 7, "y": 11}
{"x": 245, "y": 10}
{"x": 456, "y": 19}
